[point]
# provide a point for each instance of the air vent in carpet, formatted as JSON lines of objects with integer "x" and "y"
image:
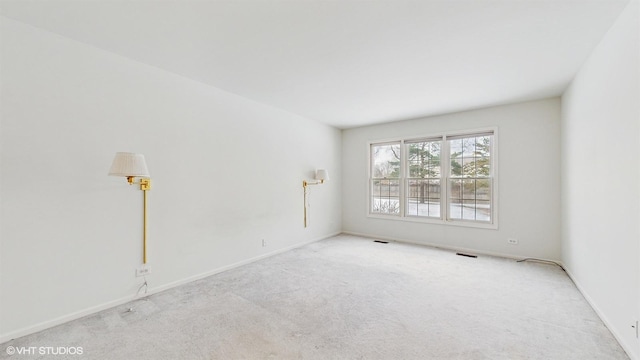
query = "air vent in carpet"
{"x": 467, "y": 255}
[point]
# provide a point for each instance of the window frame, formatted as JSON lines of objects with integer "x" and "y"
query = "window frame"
{"x": 445, "y": 177}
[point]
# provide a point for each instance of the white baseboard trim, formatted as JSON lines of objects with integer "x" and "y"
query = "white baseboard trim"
{"x": 237, "y": 264}
{"x": 61, "y": 320}
{"x": 444, "y": 247}
{"x": 632, "y": 355}
{"x": 117, "y": 302}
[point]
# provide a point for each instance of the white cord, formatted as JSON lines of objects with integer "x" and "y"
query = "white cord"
{"x": 144, "y": 285}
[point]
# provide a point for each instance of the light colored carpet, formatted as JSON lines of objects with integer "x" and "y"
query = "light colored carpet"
{"x": 350, "y": 298}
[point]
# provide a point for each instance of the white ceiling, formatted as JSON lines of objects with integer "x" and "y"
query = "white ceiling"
{"x": 347, "y": 63}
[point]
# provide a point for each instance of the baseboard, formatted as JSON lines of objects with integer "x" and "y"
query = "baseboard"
{"x": 237, "y": 264}
{"x": 117, "y": 302}
{"x": 62, "y": 319}
{"x": 449, "y": 248}
{"x": 632, "y": 355}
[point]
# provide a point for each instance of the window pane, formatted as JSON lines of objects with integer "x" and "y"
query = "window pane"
{"x": 483, "y": 189}
{"x": 455, "y": 199}
{"x": 483, "y": 146}
{"x": 423, "y": 159}
{"x": 483, "y": 166}
{"x": 385, "y": 161}
{"x": 468, "y": 146}
{"x": 482, "y": 155}
{"x": 468, "y": 166}
{"x": 470, "y": 199}
{"x": 468, "y": 209}
{"x": 423, "y": 198}
{"x": 455, "y": 147}
{"x": 468, "y": 189}
{"x": 455, "y": 210}
{"x": 471, "y": 156}
{"x": 483, "y": 210}
{"x": 385, "y": 196}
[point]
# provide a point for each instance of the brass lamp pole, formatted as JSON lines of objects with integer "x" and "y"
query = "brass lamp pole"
{"x": 145, "y": 185}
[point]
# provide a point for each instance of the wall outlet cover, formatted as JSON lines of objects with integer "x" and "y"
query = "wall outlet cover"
{"x": 143, "y": 271}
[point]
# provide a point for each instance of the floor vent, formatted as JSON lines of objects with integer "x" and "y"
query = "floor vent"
{"x": 467, "y": 255}
{"x": 381, "y": 242}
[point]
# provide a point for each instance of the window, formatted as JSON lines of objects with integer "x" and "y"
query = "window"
{"x": 424, "y": 180}
{"x": 443, "y": 178}
{"x": 385, "y": 178}
{"x": 470, "y": 178}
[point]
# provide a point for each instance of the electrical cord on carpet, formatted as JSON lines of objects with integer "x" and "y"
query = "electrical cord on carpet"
{"x": 144, "y": 285}
{"x": 544, "y": 261}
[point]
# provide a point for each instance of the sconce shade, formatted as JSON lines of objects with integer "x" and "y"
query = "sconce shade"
{"x": 322, "y": 174}
{"x": 129, "y": 164}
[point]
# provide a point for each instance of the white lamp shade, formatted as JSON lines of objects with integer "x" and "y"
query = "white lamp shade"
{"x": 129, "y": 164}
{"x": 322, "y": 174}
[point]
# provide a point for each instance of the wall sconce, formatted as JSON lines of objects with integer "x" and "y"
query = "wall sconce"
{"x": 321, "y": 176}
{"x": 133, "y": 166}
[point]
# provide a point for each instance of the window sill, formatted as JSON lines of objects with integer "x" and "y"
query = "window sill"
{"x": 415, "y": 219}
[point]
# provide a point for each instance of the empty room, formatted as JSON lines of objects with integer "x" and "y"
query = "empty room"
{"x": 310, "y": 179}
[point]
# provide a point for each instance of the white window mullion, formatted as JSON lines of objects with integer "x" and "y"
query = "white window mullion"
{"x": 403, "y": 178}
{"x": 446, "y": 163}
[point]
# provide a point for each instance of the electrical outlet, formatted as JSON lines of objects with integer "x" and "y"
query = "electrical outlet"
{"x": 512, "y": 241}
{"x": 264, "y": 243}
{"x": 143, "y": 271}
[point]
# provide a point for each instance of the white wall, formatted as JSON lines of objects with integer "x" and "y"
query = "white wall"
{"x": 227, "y": 173}
{"x": 601, "y": 178}
{"x": 529, "y": 182}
